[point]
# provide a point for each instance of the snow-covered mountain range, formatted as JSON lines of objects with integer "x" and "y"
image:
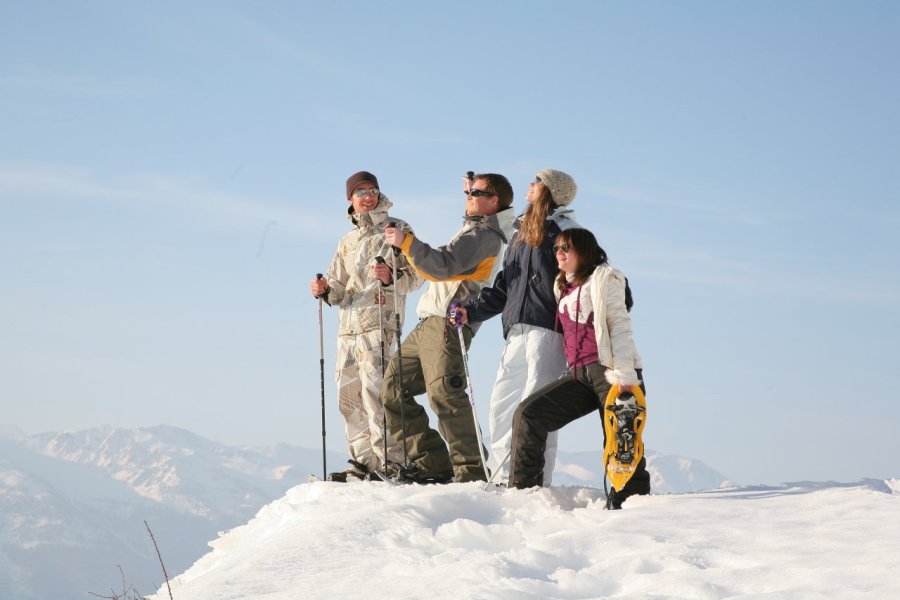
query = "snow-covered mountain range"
{"x": 73, "y": 505}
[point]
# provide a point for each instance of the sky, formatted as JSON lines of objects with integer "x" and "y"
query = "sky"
{"x": 462, "y": 542}
{"x": 172, "y": 176}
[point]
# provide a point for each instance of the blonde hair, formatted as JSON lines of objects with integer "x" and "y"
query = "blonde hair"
{"x": 534, "y": 223}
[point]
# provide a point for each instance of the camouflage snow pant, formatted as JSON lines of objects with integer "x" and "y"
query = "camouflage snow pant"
{"x": 358, "y": 377}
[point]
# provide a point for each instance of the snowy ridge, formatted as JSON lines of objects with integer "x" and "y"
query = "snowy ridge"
{"x": 370, "y": 540}
{"x": 181, "y": 469}
{"x": 73, "y": 505}
{"x": 668, "y": 473}
{"x": 65, "y": 527}
{"x": 894, "y": 486}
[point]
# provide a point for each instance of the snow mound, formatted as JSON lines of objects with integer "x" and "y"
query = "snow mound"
{"x": 372, "y": 540}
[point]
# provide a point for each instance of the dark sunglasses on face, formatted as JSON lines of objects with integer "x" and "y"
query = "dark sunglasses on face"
{"x": 538, "y": 179}
{"x": 360, "y": 194}
{"x": 565, "y": 248}
{"x": 476, "y": 193}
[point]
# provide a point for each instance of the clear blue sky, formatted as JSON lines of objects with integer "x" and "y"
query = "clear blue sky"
{"x": 172, "y": 175}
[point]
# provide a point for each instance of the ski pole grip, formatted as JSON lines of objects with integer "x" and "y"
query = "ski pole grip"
{"x": 380, "y": 260}
{"x": 320, "y": 276}
{"x": 468, "y": 180}
{"x": 392, "y": 225}
{"x": 454, "y": 310}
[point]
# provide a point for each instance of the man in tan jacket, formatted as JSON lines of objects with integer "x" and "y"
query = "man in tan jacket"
{"x": 431, "y": 354}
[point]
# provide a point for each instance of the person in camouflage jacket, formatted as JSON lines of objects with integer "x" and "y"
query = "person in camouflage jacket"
{"x": 364, "y": 290}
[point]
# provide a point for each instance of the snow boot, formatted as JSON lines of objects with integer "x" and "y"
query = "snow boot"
{"x": 356, "y": 470}
{"x": 614, "y": 500}
{"x": 413, "y": 474}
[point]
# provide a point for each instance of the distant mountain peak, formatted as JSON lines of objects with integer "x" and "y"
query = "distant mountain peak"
{"x": 10, "y": 432}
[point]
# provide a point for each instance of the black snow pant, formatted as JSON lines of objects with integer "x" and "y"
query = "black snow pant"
{"x": 577, "y": 393}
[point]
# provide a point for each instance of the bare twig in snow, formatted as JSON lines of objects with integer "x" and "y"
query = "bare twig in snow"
{"x": 165, "y": 573}
{"x": 135, "y": 595}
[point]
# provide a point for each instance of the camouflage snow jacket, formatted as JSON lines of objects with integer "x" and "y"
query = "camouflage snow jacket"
{"x": 353, "y": 288}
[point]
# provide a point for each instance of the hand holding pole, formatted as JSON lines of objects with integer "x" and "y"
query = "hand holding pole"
{"x": 394, "y": 237}
{"x": 381, "y": 271}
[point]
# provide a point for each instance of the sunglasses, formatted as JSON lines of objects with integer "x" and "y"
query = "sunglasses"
{"x": 537, "y": 179}
{"x": 476, "y": 193}
{"x": 564, "y": 248}
{"x": 360, "y": 194}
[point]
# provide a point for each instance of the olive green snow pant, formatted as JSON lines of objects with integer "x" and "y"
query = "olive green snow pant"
{"x": 432, "y": 363}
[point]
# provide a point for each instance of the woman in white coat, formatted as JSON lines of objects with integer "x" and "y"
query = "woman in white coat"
{"x": 600, "y": 352}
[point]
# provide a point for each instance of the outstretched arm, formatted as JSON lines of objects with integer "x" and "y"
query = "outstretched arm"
{"x": 470, "y": 255}
{"x": 490, "y": 301}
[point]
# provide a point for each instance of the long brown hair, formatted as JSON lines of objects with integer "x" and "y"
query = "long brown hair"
{"x": 534, "y": 223}
{"x": 590, "y": 255}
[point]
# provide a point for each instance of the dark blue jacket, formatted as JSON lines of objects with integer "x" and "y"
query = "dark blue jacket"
{"x": 523, "y": 290}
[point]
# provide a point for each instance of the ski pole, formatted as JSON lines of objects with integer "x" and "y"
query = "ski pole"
{"x": 499, "y": 469}
{"x": 399, "y": 374}
{"x": 322, "y": 378}
{"x": 468, "y": 180}
{"x": 380, "y": 261}
{"x": 465, "y": 355}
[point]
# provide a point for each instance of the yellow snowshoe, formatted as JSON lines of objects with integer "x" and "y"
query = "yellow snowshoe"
{"x": 624, "y": 417}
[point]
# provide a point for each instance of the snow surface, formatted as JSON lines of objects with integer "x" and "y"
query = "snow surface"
{"x": 72, "y": 507}
{"x": 73, "y": 504}
{"x": 374, "y": 540}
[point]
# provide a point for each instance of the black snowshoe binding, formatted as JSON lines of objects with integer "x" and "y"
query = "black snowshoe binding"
{"x": 626, "y": 410}
{"x": 356, "y": 470}
{"x": 413, "y": 474}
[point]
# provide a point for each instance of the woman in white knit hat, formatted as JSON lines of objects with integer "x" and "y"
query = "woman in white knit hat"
{"x": 523, "y": 293}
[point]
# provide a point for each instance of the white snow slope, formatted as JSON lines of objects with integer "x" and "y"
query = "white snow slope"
{"x": 73, "y": 504}
{"x": 373, "y": 540}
